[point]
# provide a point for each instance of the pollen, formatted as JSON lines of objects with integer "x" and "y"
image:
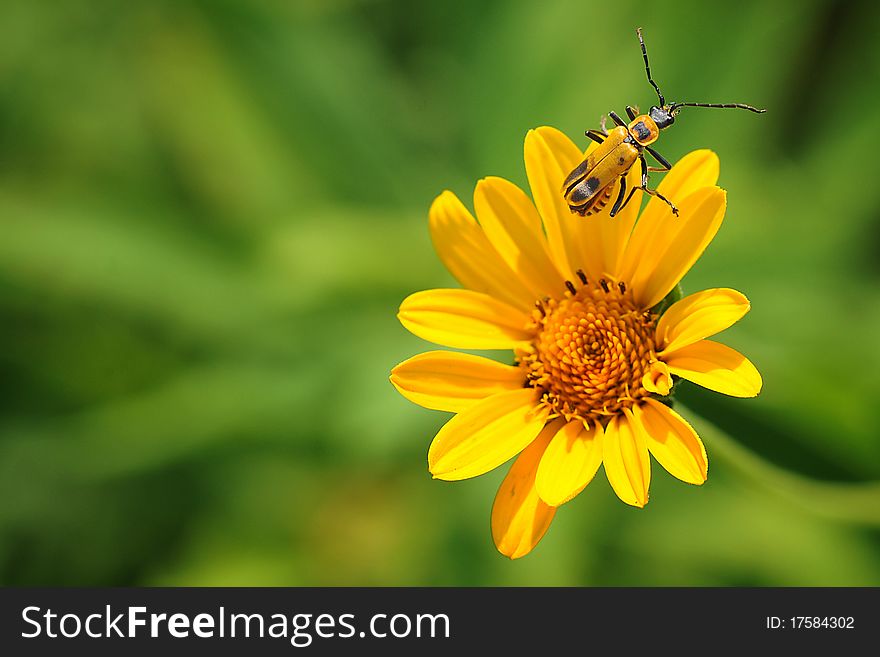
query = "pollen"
{"x": 591, "y": 350}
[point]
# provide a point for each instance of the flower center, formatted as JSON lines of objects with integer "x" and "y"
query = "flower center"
{"x": 590, "y": 351}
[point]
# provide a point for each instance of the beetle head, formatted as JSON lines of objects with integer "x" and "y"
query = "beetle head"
{"x": 664, "y": 115}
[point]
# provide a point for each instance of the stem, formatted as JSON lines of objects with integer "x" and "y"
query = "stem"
{"x": 857, "y": 503}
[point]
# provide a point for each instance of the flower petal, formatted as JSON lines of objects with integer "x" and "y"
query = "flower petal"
{"x": 464, "y": 249}
{"x": 626, "y": 460}
{"x": 677, "y": 246}
{"x": 603, "y": 237}
{"x": 513, "y": 226}
{"x": 699, "y": 168}
{"x": 698, "y": 316}
{"x": 486, "y": 435}
{"x": 716, "y": 367}
{"x": 464, "y": 319}
{"x": 618, "y": 229}
{"x": 657, "y": 378}
{"x": 519, "y": 517}
{"x": 672, "y": 441}
{"x": 695, "y": 170}
{"x": 570, "y": 462}
{"x": 550, "y": 156}
{"x": 595, "y": 243}
{"x": 451, "y": 381}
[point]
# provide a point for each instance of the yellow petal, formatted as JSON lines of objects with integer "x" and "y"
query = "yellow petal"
{"x": 603, "y": 237}
{"x": 595, "y": 243}
{"x": 514, "y": 228}
{"x": 676, "y": 248}
{"x": 716, "y": 367}
{"x": 698, "y": 316}
{"x": 468, "y": 255}
{"x": 570, "y": 462}
{"x": 519, "y": 517}
{"x": 486, "y": 435}
{"x": 464, "y": 319}
{"x": 626, "y": 460}
{"x": 550, "y": 156}
{"x": 672, "y": 441}
{"x": 451, "y": 381}
{"x": 695, "y": 170}
{"x": 657, "y": 379}
{"x": 618, "y": 229}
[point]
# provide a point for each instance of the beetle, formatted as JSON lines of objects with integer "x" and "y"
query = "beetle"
{"x": 588, "y": 188}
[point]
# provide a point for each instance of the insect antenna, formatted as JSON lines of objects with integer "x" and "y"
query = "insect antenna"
{"x": 648, "y": 67}
{"x": 718, "y": 105}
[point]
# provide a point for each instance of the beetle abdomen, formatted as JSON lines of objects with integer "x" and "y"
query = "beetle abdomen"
{"x": 595, "y": 204}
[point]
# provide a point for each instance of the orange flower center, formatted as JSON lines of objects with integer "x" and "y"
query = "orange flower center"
{"x": 590, "y": 351}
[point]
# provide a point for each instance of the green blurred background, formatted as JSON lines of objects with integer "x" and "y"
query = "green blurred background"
{"x": 211, "y": 210}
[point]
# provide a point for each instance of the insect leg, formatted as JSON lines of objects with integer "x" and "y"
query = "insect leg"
{"x": 632, "y": 112}
{"x": 602, "y": 125}
{"x": 596, "y": 136}
{"x": 654, "y": 192}
{"x": 616, "y": 118}
{"x": 616, "y": 206}
{"x": 662, "y": 160}
{"x": 629, "y": 196}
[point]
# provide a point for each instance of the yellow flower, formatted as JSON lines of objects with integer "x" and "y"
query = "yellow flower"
{"x": 577, "y": 301}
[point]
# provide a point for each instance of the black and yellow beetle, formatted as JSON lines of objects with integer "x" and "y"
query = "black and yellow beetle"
{"x": 588, "y": 188}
